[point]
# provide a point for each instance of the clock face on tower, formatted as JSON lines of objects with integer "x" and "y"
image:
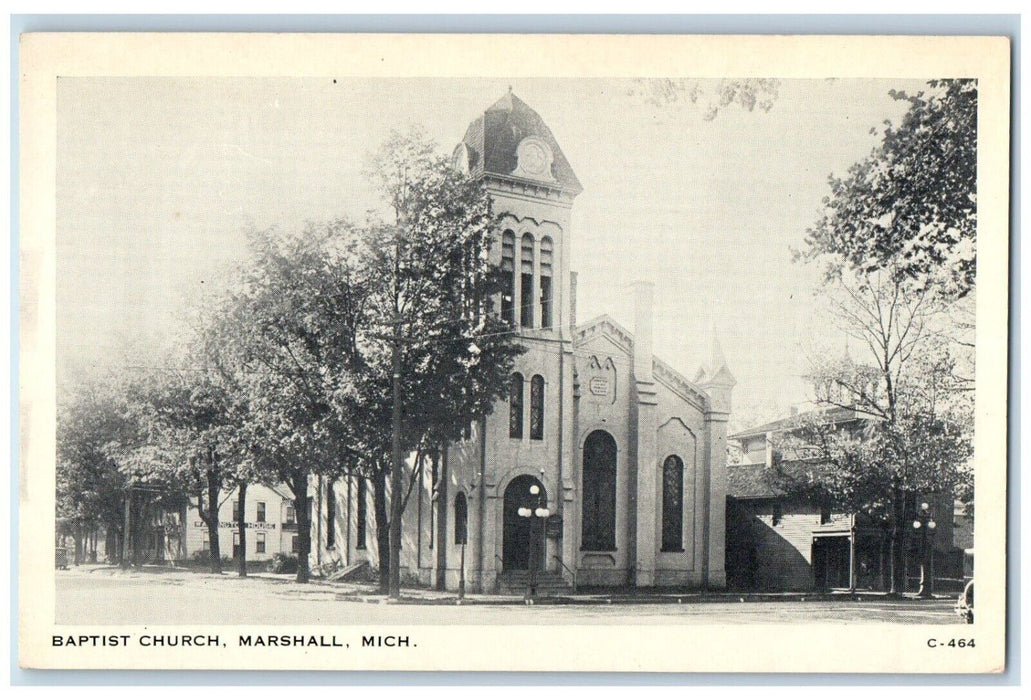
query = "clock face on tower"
{"x": 534, "y": 159}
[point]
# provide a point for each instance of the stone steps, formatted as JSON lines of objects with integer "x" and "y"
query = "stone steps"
{"x": 548, "y": 583}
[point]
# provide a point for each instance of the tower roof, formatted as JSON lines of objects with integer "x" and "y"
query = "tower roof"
{"x": 494, "y": 137}
{"x": 716, "y": 370}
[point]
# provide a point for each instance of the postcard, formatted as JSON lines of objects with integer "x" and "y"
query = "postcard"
{"x": 513, "y": 352}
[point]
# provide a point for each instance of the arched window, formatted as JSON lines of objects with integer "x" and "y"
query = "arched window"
{"x": 599, "y": 492}
{"x": 515, "y": 406}
{"x": 461, "y": 519}
{"x": 673, "y": 504}
{"x": 547, "y": 303}
{"x": 537, "y": 407}
{"x": 508, "y": 273}
{"x": 526, "y": 292}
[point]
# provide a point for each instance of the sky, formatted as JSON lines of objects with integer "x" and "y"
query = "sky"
{"x": 159, "y": 178}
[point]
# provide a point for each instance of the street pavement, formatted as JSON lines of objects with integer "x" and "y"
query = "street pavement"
{"x": 104, "y": 595}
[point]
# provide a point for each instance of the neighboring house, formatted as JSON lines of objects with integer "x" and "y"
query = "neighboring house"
{"x": 269, "y": 519}
{"x": 780, "y": 542}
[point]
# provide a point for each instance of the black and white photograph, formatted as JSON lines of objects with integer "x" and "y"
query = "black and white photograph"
{"x": 341, "y": 360}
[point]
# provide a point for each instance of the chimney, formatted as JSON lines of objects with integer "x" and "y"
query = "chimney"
{"x": 643, "y": 294}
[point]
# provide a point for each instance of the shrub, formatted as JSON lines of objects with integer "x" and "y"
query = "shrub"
{"x": 283, "y": 563}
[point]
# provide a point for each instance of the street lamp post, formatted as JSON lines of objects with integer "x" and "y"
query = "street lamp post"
{"x": 535, "y": 515}
{"x": 924, "y": 525}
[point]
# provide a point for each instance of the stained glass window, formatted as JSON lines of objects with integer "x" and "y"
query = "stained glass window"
{"x": 515, "y": 406}
{"x": 537, "y": 407}
{"x": 673, "y": 504}
{"x": 599, "y": 492}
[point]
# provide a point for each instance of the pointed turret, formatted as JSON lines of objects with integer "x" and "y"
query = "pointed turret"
{"x": 716, "y": 378}
{"x": 718, "y": 372}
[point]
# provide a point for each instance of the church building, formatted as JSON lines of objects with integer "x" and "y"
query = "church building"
{"x": 604, "y": 467}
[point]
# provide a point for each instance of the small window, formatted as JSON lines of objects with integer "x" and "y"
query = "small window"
{"x": 291, "y": 516}
{"x": 236, "y": 512}
{"x": 295, "y": 544}
{"x": 515, "y": 406}
{"x": 461, "y": 519}
{"x": 205, "y": 545}
{"x": 537, "y": 407}
{"x": 259, "y": 545}
{"x": 825, "y": 514}
{"x": 236, "y": 545}
{"x": 261, "y": 511}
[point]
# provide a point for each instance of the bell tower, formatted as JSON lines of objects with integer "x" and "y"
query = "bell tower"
{"x": 530, "y": 434}
{"x": 532, "y": 184}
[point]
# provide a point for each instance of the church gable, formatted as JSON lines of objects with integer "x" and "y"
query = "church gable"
{"x": 605, "y": 327}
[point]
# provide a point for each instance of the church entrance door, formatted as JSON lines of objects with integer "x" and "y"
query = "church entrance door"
{"x": 516, "y": 536}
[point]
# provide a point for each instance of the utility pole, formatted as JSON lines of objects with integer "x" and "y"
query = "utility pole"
{"x": 396, "y": 466}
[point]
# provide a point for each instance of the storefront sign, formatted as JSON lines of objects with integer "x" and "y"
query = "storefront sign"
{"x": 228, "y": 524}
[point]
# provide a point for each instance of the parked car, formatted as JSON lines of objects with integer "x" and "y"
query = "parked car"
{"x": 965, "y": 603}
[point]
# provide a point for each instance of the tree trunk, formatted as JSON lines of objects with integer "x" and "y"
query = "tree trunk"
{"x": 184, "y": 513}
{"x": 77, "y": 536}
{"x": 139, "y": 537}
{"x": 379, "y": 497}
{"x": 441, "y": 479}
{"x": 241, "y": 527}
{"x": 300, "y": 489}
{"x": 897, "y": 563}
{"x": 209, "y": 514}
{"x": 123, "y": 560}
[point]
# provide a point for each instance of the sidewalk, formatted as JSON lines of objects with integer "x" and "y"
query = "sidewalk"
{"x": 368, "y": 592}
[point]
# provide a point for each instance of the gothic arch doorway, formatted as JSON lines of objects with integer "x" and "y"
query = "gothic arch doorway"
{"x": 516, "y": 534}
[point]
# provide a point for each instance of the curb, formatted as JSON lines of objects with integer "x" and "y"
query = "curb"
{"x": 630, "y": 600}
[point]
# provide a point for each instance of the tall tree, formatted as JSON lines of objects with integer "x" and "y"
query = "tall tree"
{"x": 444, "y": 355}
{"x": 191, "y": 426}
{"x": 894, "y": 426}
{"x": 292, "y": 333}
{"x": 90, "y": 485}
{"x": 911, "y": 204}
{"x": 896, "y": 240}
